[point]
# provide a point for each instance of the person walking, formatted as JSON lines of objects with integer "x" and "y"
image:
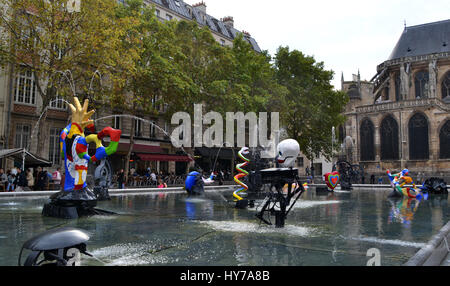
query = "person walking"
{"x": 21, "y": 180}
{"x": 121, "y": 178}
{"x": 42, "y": 180}
{"x": 3, "y": 179}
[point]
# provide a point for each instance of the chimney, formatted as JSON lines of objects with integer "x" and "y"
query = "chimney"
{"x": 246, "y": 34}
{"x": 201, "y": 6}
{"x": 228, "y": 21}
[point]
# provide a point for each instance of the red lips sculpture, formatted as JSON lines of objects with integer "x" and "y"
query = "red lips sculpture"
{"x": 332, "y": 180}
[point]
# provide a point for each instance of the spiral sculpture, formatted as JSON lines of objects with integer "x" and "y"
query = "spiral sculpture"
{"x": 242, "y": 173}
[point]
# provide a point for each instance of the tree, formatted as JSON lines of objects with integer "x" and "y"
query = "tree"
{"x": 65, "y": 49}
{"x": 311, "y": 107}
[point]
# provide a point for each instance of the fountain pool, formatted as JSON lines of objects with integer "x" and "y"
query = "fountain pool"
{"x": 171, "y": 229}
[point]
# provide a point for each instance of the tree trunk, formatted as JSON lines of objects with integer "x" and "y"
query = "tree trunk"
{"x": 130, "y": 150}
{"x": 42, "y": 132}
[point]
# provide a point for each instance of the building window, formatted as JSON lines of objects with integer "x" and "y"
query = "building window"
{"x": 444, "y": 141}
{"x": 157, "y": 13}
{"x": 367, "y": 140}
{"x": 22, "y": 136}
{"x": 58, "y": 103}
{"x": 418, "y": 137}
{"x": 386, "y": 93}
{"x": 166, "y": 129}
{"x": 446, "y": 86}
{"x": 177, "y": 3}
{"x": 222, "y": 42}
{"x": 54, "y": 148}
{"x": 117, "y": 123}
{"x": 300, "y": 162}
{"x": 25, "y": 88}
{"x": 389, "y": 139}
{"x": 398, "y": 82}
{"x": 153, "y": 129}
{"x": 168, "y": 17}
{"x": 137, "y": 128}
{"x": 341, "y": 134}
{"x": 421, "y": 84}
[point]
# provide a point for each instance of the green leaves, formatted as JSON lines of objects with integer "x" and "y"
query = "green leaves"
{"x": 311, "y": 107}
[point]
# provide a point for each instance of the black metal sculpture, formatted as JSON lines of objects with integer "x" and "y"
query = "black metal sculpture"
{"x": 103, "y": 178}
{"x": 435, "y": 186}
{"x": 279, "y": 200}
{"x": 349, "y": 173}
{"x": 58, "y": 247}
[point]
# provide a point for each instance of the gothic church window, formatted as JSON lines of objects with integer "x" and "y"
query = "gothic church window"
{"x": 421, "y": 81}
{"x": 418, "y": 137}
{"x": 444, "y": 141}
{"x": 389, "y": 139}
{"x": 398, "y": 82}
{"x": 446, "y": 86}
{"x": 367, "y": 140}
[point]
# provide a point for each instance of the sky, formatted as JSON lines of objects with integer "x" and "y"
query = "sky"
{"x": 346, "y": 35}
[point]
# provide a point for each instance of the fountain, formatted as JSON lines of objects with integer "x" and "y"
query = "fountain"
{"x": 77, "y": 199}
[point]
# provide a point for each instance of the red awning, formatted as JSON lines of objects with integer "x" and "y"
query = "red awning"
{"x": 164, "y": 158}
{"x": 139, "y": 148}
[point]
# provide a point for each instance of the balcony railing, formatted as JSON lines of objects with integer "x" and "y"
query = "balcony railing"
{"x": 412, "y": 59}
{"x": 388, "y": 106}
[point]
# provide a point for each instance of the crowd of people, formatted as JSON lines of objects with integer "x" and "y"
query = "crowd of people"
{"x": 161, "y": 179}
{"x": 38, "y": 180}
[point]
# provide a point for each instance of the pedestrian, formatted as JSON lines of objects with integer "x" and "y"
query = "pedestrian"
{"x": 11, "y": 179}
{"x": 3, "y": 179}
{"x": 121, "y": 178}
{"x": 21, "y": 179}
{"x": 307, "y": 171}
{"x": 380, "y": 180}
{"x": 153, "y": 178}
{"x": 30, "y": 179}
{"x": 42, "y": 179}
{"x": 363, "y": 179}
{"x": 372, "y": 179}
{"x": 312, "y": 172}
{"x": 161, "y": 184}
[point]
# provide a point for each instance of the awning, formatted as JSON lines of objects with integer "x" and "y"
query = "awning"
{"x": 224, "y": 153}
{"x": 164, "y": 158}
{"x": 31, "y": 160}
{"x": 139, "y": 148}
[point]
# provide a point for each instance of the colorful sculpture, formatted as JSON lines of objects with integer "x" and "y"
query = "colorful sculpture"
{"x": 242, "y": 173}
{"x": 288, "y": 151}
{"x": 195, "y": 183}
{"x": 332, "y": 180}
{"x": 76, "y": 199}
{"x": 398, "y": 182}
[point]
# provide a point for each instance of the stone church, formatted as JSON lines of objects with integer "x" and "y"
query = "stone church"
{"x": 401, "y": 118}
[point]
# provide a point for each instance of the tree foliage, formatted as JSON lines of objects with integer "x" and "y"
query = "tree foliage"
{"x": 50, "y": 40}
{"x": 149, "y": 67}
{"x": 311, "y": 107}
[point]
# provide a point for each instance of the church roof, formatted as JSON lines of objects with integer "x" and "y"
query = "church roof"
{"x": 423, "y": 39}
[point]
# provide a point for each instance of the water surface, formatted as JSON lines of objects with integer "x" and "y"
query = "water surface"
{"x": 171, "y": 229}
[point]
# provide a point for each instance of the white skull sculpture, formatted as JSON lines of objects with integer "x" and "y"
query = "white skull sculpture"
{"x": 288, "y": 151}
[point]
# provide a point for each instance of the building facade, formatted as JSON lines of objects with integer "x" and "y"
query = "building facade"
{"x": 20, "y": 106}
{"x": 401, "y": 118}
